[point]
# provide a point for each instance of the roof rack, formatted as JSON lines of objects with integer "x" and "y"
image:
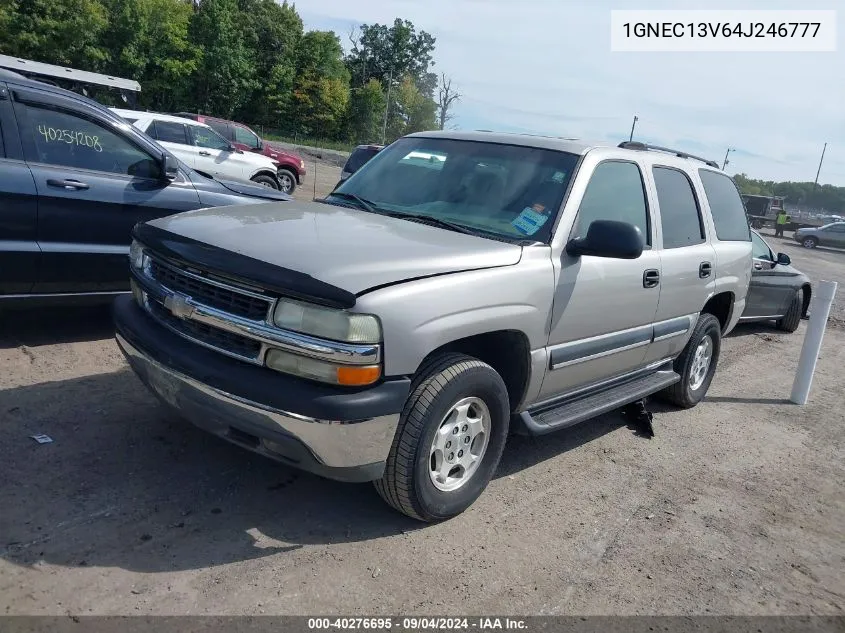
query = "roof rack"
{"x": 636, "y": 145}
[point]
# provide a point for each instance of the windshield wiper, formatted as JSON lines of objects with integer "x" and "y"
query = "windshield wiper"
{"x": 427, "y": 219}
{"x": 362, "y": 202}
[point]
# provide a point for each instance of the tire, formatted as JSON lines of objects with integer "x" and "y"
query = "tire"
{"x": 684, "y": 393}
{"x": 790, "y": 321}
{"x": 810, "y": 242}
{"x": 442, "y": 383}
{"x": 287, "y": 181}
{"x": 267, "y": 181}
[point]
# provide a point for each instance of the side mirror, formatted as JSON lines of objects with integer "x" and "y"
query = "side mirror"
{"x": 234, "y": 149}
{"x": 783, "y": 259}
{"x": 608, "y": 238}
{"x": 169, "y": 167}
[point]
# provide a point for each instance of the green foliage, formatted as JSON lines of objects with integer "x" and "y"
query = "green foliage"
{"x": 804, "y": 194}
{"x": 64, "y": 32}
{"x": 248, "y": 60}
{"x": 148, "y": 40}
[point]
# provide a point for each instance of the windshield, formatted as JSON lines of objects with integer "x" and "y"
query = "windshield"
{"x": 505, "y": 190}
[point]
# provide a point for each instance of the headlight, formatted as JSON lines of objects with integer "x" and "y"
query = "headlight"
{"x": 324, "y": 371}
{"x": 302, "y": 164}
{"x": 336, "y": 325}
{"x": 136, "y": 255}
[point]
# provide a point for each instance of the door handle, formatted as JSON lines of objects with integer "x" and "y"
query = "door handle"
{"x": 70, "y": 184}
{"x": 651, "y": 278}
{"x": 705, "y": 269}
{"x": 204, "y": 153}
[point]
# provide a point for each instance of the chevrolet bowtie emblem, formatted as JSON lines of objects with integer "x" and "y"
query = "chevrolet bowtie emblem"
{"x": 179, "y": 306}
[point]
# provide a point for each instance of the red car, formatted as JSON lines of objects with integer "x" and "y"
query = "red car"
{"x": 291, "y": 166}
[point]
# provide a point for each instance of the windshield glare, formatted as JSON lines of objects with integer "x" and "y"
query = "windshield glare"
{"x": 506, "y": 190}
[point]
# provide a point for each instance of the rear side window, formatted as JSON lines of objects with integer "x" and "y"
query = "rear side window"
{"x": 726, "y": 207}
{"x": 358, "y": 159}
{"x": 170, "y": 132}
{"x": 679, "y": 214}
{"x": 615, "y": 192}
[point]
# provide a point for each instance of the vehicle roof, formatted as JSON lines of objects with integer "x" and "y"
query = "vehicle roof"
{"x": 140, "y": 114}
{"x": 576, "y": 146}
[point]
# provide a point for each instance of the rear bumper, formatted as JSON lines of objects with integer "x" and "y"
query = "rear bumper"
{"x": 335, "y": 434}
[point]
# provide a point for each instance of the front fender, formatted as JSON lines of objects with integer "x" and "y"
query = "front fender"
{"x": 419, "y": 316}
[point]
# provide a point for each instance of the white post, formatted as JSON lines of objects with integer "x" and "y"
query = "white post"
{"x": 822, "y": 301}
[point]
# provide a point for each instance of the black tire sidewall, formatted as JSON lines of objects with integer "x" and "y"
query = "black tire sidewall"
{"x": 266, "y": 181}
{"x": 481, "y": 382}
{"x": 813, "y": 242}
{"x": 708, "y": 325}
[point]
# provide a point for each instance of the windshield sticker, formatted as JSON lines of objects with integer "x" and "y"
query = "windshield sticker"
{"x": 559, "y": 176}
{"x": 530, "y": 220}
{"x": 70, "y": 137}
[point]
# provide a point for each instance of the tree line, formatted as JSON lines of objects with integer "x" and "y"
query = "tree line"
{"x": 805, "y": 194}
{"x": 248, "y": 60}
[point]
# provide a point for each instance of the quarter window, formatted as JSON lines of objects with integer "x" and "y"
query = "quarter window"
{"x": 55, "y": 137}
{"x": 679, "y": 214}
{"x": 615, "y": 192}
{"x": 725, "y": 206}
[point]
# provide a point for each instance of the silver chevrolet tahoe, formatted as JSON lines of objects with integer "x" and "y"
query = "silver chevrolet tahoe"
{"x": 459, "y": 287}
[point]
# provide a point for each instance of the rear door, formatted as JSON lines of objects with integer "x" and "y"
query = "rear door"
{"x": 19, "y": 252}
{"x": 834, "y": 235}
{"x": 174, "y": 136}
{"x": 688, "y": 275}
{"x": 94, "y": 182}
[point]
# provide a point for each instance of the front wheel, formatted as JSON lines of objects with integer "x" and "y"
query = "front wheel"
{"x": 697, "y": 363}
{"x": 809, "y": 242}
{"x": 449, "y": 441}
{"x": 267, "y": 181}
{"x": 287, "y": 181}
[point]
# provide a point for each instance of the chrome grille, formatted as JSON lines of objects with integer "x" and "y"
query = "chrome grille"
{"x": 211, "y": 293}
{"x": 221, "y": 340}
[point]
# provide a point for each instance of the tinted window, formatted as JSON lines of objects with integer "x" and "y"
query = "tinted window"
{"x": 506, "y": 190}
{"x": 615, "y": 192}
{"x": 170, "y": 132}
{"x": 60, "y": 138}
{"x": 221, "y": 128}
{"x": 837, "y": 228}
{"x": 358, "y": 159}
{"x": 205, "y": 137}
{"x": 725, "y": 207}
{"x": 2, "y": 151}
{"x": 242, "y": 135}
{"x": 759, "y": 248}
{"x": 679, "y": 215}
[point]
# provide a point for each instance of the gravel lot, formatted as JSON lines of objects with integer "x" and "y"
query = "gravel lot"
{"x": 734, "y": 507}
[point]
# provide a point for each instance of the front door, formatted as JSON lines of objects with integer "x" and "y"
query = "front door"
{"x": 214, "y": 155}
{"x": 834, "y": 235}
{"x": 766, "y": 296}
{"x": 603, "y": 310}
{"x": 94, "y": 183}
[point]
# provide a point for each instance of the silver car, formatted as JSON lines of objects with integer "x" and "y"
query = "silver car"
{"x": 456, "y": 287}
{"x": 832, "y": 234}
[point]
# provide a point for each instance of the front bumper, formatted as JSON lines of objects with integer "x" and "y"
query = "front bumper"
{"x": 342, "y": 435}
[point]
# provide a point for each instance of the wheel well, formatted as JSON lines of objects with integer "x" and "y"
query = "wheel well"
{"x": 506, "y": 351}
{"x": 265, "y": 173}
{"x": 806, "y": 295}
{"x": 720, "y": 306}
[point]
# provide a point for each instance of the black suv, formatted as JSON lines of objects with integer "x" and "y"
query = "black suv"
{"x": 74, "y": 180}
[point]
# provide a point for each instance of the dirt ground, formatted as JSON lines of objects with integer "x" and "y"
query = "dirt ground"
{"x": 734, "y": 507}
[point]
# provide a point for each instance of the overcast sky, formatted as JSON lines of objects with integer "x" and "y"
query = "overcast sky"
{"x": 545, "y": 67}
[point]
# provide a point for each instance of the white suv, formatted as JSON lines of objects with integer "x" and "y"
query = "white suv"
{"x": 202, "y": 148}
